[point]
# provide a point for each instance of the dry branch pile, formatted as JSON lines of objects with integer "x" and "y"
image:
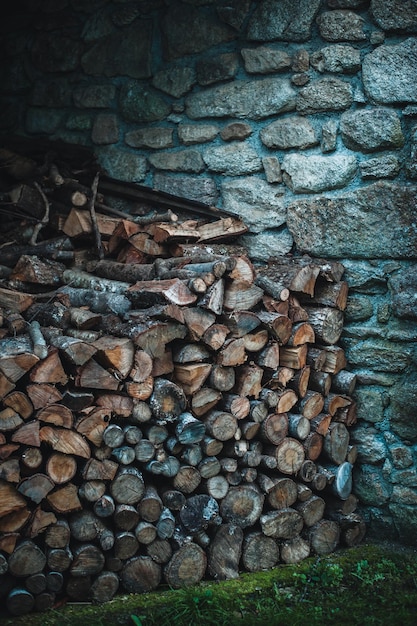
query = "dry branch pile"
{"x": 168, "y": 411}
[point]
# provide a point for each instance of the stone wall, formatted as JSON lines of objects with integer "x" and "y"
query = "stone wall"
{"x": 298, "y": 115}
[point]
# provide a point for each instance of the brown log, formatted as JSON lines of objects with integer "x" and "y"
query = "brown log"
{"x": 220, "y": 425}
{"x": 242, "y": 505}
{"x": 56, "y": 414}
{"x": 320, "y": 424}
{"x": 344, "y": 382}
{"x": 298, "y": 426}
{"x": 284, "y": 523}
{"x": 294, "y": 550}
{"x": 204, "y": 400}
{"x": 26, "y": 559}
{"x": 150, "y": 506}
{"x": 10, "y": 470}
{"x": 352, "y": 529}
{"x": 222, "y": 378}
{"x": 311, "y": 404}
{"x": 64, "y": 500}
{"x": 293, "y": 274}
{"x": 225, "y": 551}
{"x": 94, "y": 376}
{"x": 9, "y": 420}
{"x": 191, "y": 377}
{"x": 294, "y": 358}
{"x": 301, "y": 333}
{"x": 333, "y": 294}
{"x": 145, "y": 533}
{"x": 290, "y": 455}
{"x": 160, "y": 551}
{"x": 186, "y": 567}
{"x": 66, "y": 441}
{"x": 239, "y": 295}
{"x": 49, "y": 370}
{"x": 278, "y": 325}
{"x": 10, "y": 499}
{"x": 335, "y": 359}
{"x": 282, "y": 494}
{"x": 232, "y": 353}
{"x": 15, "y": 300}
{"x": 324, "y": 537}
{"x": 20, "y": 402}
{"x": 43, "y": 394}
{"x": 32, "y": 458}
{"x": 259, "y": 552}
{"x": 320, "y": 382}
{"x": 140, "y": 574}
{"x": 327, "y": 323}
{"x": 198, "y": 321}
{"x": 274, "y": 428}
{"x": 215, "y": 336}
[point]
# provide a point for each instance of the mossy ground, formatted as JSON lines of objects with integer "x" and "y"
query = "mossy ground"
{"x": 371, "y": 585}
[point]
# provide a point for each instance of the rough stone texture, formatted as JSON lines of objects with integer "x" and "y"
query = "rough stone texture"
{"x": 94, "y": 96}
{"x": 341, "y": 26}
{"x": 380, "y": 167}
{"x": 402, "y": 421}
{"x": 312, "y": 174}
{"x": 272, "y": 168}
{"x": 182, "y": 161}
{"x": 201, "y": 189}
{"x": 403, "y": 286}
{"x": 287, "y": 20}
{"x": 396, "y": 15}
{"x": 260, "y": 205}
{"x": 291, "y": 132}
{"x": 370, "y": 444}
{"x": 125, "y": 52}
{"x": 371, "y": 486}
{"x": 326, "y": 94}
{"x": 189, "y": 134}
{"x": 358, "y": 308}
{"x": 105, "y": 129}
{"x": 350, "y": 225}
{"x": 268, "y": 244}
{"x": 238, "y": 131}
{"x": 371, "y": 402}
{"x": 233, "y": 159}
{"x": 370, "y": 130}
{"x": 186, "y": 30}
{"x": 329, "y": 136}
{"x": 388, "y": 73}
{"x": 234, "y": 13}
{"x": 139, "y": 104}
{"x": 402, "y": 456}
{"x": 217, "y": 68}
{"x": 264, "y": 60}
{"x": 379, "y": 355}
{"x": 339, "y": 59}
{"x": 123, "y": 165}
{"x": 300, "y": 60}
{"x": 176, "y": 81}
{"x": 154, "y": 138}
{"x": 243, "y": 99}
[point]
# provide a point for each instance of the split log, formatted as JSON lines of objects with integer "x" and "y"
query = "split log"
{"x": 327, "y": 323}
{"x": 186, "y": 567}
{"x": 284, "y": 523}
{"x": 225, "y": 551}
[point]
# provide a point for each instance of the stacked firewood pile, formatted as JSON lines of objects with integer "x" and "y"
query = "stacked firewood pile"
{"x": 169, "y": 412}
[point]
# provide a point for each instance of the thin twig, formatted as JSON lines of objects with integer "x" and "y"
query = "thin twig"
{"x": 150, "y": 218}
{"x": 91, "y": 207}
{"x": 44, "y": 221}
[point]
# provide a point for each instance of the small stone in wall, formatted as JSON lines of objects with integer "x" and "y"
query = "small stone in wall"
{"x": 290, "y": 20}
{"x": 369, "y": 130}
{"x": 300, "y": 61}
{"x": 190, "y": 134}
{"x": 237, "y": 131}
{"x": 326, "y": 94}
{"x": 181, "y": 161}
{"x": 272, "y": 169}
{"x": 150, "y": 137}
{"x": 140, "y": 104}
{"x": 265, "y": 60}
{"x": 387, "y": 166}
{"x": 389, "y": 73}
{"x": 402, "y": 456}
{"x": 341, "y": 26}
{"x": 339, "y": 58}
{"x": 395, "y": 14}
{"x": 260, "y": 205}
{"x": 217, "y": 68}
{"x": 268, "y": 244}
{"x": 175, "y": 81}
{"x": 191, "y": 187}
{"x": 233, "y": 159}
{"x": 289, "y": 132}
{"x": 105, "y": 129}
{"x": 123, "y": 165}
{"x": 312, "y": 174}
{"x": 329, "y": 136}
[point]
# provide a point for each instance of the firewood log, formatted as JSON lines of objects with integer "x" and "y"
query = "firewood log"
{"x": 225, "y": 551}
{"x": 259, "y": 552}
